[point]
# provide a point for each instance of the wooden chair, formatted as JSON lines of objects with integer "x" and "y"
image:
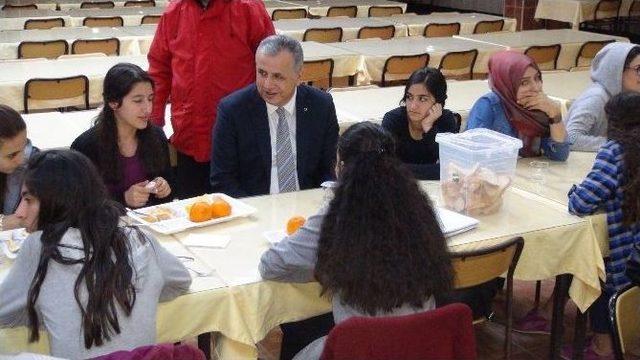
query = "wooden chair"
{"x": 280, "y": 14}
{"x": 476, "y": 267}
{"x": 140, "y": 3}
{"x": 150, "y": 19}
{"x": 381, "y": 32}
{"x": 59, "y": 89}
{"x": 97, "y": 5}
{"x": 545, "y": 56}
{"x": 20, "y": 7}
{"x": 397, "y": 69}
{"x": 110, "y": 47}
{"x": 633, "y": 17}
{"x": 441, "y": 30}
{"x": 384, "y": 11}
{"x": 323, "y": 35}
{"x": 318, "y": 73}
{"x": 43, "y": 24}
{"x": 458, "y": 65}
{"x": 103, "y": 21}
{"x": 623, "y": 307}
{"x": 488, "y": 26}
{"x": 588, "y": 51}
{"x": 605, "y": 16}
{"x": 348, "y": 11}
{"x": 42, "y": 49}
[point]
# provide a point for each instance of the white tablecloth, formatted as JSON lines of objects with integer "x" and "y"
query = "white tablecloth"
{"x": 468, "y": 21}
{"x": 570, "y": 40}
{"x": 345, "y": 63}
{"x": 492, "y": 6}
{"x": 67, "y": 4}
{"x": 376, "y": 52}
{"x": 131, "y": 37}
{"x": 320, "y": 7}
{"x": 350, "y": 27}
{"x": 14, "y": 20}
{"x": 573, "y": 11}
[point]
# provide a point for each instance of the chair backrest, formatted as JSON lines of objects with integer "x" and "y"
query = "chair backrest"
{"x": 42, "y": 49}
{"x": 476, "y": 267}
{"x": 71, "y": 88}
{"x": 109, "y": 47}
{"x": 545, "y": 56}
{"x": 20, "y": 7}
{"x": 607, "y": 10}
{"x": 634, "y": 9}
{"x": 588, "y": 51}
{"x": 323, "y": 35}
{"x": 140, "y": 3}
{"x": 103, "y": 21}
{"x": 381, "y": 32}
{"x": 280, "y": 14}
{"x": 487, "y": 26}
{"x": 441, "y": 30}
{"x": 400, "y": 67}
{"x": 318, "y": 73}
{"x": 458, "y": 65}
{"x": 384, "y": 11}
{"x": 43, "y": 24}
{"x": 348, "y": 11}
{"x": 443, "y": 333}
{"x": 97, "y": 5}
{"x": 624, "y": 310}
{"x": 150, "y": 19}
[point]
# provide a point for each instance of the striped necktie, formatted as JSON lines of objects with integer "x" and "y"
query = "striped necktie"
{"x": 284, "y": 155}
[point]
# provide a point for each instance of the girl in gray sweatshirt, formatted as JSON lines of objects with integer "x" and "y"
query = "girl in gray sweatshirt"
{"x": 613, "y": 70}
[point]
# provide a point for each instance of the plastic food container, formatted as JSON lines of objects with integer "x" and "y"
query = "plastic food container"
{"x": 476, "y": 167}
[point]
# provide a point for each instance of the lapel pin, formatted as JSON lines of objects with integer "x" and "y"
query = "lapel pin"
{"x": 304, "y": 109}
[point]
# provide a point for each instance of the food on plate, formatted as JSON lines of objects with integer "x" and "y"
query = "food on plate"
{"x": 200, "y": 211}
{"x": 220, "y": 208}
{"x": 158, "y": 213}
{"x": 294, "y": 224}
{"x": 476, "y": 191}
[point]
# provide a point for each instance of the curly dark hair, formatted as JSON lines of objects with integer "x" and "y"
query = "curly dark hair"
{"x": 118, "y": 82}
{"x": 380, "y": 243}
{"x": 623, "y": 114}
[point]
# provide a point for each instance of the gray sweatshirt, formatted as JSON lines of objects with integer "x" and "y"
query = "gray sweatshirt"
{"x": 586, "y": 121}
{"x": 294, "y": 260}
{"x": 159, "y": 276}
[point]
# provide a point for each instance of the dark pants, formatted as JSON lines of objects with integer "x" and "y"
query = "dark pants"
{"x": 479, "y": 298}
{"x": 599, "y": 313}
{"x": 297, "y": 335}
{"x": 192, "y": 177}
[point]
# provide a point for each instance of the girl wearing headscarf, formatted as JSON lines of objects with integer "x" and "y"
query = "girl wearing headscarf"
{"x": 614, "y": 69}
{"x": 517, "y": 106}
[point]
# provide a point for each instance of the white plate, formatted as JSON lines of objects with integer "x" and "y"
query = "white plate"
{"x": 181, "y": 222}
{"x": 274, "y": 236}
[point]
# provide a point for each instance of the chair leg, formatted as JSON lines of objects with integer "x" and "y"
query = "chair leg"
{"x": 560, "y": 298}
{"x": 536, "y": 302}
{"x": 509, "y": 325}
{"x": 579, "y": 335}
{"x": 204, "y": 344}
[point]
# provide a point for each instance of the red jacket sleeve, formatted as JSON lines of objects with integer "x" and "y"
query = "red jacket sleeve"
{"x": 159, "y": 58}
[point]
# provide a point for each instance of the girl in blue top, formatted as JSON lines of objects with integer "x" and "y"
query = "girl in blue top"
{"x": 517, "y": 107}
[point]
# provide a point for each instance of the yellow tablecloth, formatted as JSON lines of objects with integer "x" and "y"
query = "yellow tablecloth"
{"x": 131, "y": 16}
{"x": 572, "y": 11}
{"x": 247, "y": 308}
{"x": 468, "y": 21}
{"x": 295, "y": 28}
{"x": 321, "y": 7}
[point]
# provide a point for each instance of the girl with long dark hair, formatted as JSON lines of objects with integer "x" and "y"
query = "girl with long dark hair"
{"x": 131, "y": 154}
{"x": 377, "y": 248}
{"x": 91, "y": 283}
{"x": 15, "y": 151}
{"x": 613, "y": 185}
{"x": 415, "y": 123}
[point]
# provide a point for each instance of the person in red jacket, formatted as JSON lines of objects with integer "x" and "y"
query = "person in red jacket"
{"x": 202, "y": 51}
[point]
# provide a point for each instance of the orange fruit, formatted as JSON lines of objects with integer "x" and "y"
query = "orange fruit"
{"x": 200, "y": 211}
{"x": 294, "y": 224}
{"x": 220, "y": 208}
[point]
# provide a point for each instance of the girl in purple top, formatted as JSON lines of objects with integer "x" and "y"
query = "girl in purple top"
{"x": 131, "y": 154}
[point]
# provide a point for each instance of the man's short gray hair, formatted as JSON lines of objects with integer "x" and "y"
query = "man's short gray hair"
{"x": 274, "y": 44}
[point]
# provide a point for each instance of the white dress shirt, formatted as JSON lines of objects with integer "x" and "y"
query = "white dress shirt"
{"x": 290, "y": 113}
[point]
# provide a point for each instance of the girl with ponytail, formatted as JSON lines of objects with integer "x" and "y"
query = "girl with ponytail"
{"x": 377, "y": 248}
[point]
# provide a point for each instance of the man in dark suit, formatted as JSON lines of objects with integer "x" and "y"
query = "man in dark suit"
{"x": 274, "y": 135}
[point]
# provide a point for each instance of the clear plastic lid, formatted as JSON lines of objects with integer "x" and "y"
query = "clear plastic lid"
{"x": 483, "y": 140}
